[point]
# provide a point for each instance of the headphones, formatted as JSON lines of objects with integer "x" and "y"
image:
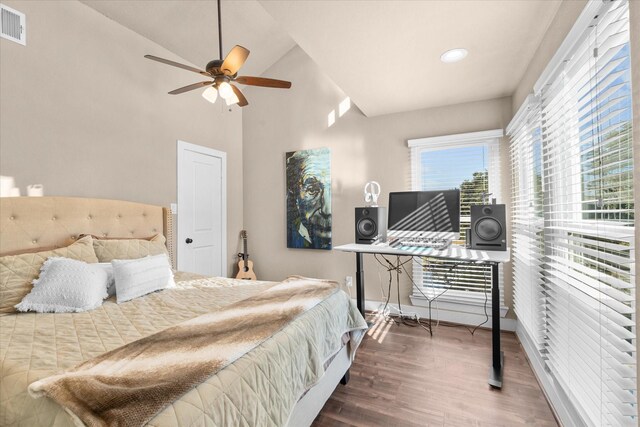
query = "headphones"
{"x": 371, "y": 192}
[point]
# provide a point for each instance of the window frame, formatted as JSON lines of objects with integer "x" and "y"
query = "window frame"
{"x": 587, "y": 362}
{"x": 459, "y": 300}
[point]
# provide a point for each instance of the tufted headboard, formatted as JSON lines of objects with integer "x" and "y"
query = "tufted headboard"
{"x": 45, "y": 222}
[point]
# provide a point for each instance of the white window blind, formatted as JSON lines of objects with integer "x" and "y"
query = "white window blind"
{"x": 470, "y": 162}
{"x": 527, "y": 222}
{"x": 586, "y": 300}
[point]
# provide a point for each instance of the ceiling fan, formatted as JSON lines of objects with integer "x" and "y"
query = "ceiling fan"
{"x": 224, "y": 73}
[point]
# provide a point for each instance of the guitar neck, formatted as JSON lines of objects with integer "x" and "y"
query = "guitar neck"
{"x": 246, "y": 254}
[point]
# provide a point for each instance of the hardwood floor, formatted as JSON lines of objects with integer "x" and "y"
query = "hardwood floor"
{"x": 403, "y": 377}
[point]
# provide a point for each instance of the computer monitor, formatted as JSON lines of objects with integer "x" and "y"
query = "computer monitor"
{"x": 435, "y": 213}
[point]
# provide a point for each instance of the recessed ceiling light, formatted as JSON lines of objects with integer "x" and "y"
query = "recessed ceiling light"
{"x": 454, "y": 55}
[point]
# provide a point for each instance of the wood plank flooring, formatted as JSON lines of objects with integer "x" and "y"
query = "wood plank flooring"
{"x": 403, "y": 377}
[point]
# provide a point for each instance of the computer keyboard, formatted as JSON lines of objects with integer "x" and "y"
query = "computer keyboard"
{"x": 426, "y": 242}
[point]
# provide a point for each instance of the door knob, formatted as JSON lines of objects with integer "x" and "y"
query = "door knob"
{"x": 189, "y": 240}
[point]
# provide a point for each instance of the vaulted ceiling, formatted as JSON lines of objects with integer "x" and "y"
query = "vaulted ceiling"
{"x": 384, "y": 54}
{"x": 189, "y": 28}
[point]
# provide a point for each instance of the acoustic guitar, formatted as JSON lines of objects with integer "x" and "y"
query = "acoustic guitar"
{"x": 245, "y": 267}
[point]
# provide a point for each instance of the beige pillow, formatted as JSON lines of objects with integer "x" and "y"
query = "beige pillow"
{"x": 110, "y": 249}
{"x": 18, "y": 271}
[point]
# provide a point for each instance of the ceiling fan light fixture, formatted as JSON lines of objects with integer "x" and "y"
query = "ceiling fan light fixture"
{"x": 223, "y": 71}
{"x": 225, "y": 90}
{"x": 233, "y": 99}
{"x": 454, "y": 55}
{"x": 210, "y": 94}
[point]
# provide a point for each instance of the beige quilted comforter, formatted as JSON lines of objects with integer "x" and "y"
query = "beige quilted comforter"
{"x": 259, "y": 388}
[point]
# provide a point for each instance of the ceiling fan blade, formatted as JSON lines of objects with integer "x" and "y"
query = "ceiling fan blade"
{"x": 242, "y": 101}
{"x": 234, "y": 60}
{"x": 190, "y": 87}
{"x": 261, "y": 81}
{"x": 177, "y": 64}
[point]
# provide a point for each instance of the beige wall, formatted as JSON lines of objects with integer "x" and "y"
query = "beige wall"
{"x": 562, "y": 23}
{"x": 82, "y": 112}
{"x": 362, "y": 149}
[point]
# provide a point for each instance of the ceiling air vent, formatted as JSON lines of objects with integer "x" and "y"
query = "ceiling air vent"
{"x": 13, "y": 25}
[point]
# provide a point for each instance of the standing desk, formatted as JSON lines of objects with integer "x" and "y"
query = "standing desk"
{"x": 453, "y": 252}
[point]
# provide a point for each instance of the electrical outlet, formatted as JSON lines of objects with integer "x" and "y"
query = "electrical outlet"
{"x": 349, "y": 281}
{"x": 174, "y": 208}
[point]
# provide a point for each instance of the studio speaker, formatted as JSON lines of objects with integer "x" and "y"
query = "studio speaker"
{"x": 371, "y": 225}
{"x": 488, "y": 229}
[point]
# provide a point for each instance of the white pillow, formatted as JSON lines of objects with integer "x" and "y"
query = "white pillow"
{"x": 111, "y": 281}
{"x": 137, "y": 277}
{"x": 66, "y": 285}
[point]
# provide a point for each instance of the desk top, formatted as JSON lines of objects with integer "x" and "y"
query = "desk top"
{"x": 452, "y": 252}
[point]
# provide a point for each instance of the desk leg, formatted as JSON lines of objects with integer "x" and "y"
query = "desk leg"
{"x": 497, "y": 365}
{"x": 359, "y": 283}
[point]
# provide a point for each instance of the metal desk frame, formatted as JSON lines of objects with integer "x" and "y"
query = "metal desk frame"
{"x": 493, "y": 258}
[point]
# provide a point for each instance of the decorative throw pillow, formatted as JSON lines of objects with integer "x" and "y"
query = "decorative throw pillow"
{"x": 18, "y": 271}
{"x": 108, "y": 250}
{"x": 111, "y": 281}
{"x": 65, "y": 286}
{"x": 137, "y": 277}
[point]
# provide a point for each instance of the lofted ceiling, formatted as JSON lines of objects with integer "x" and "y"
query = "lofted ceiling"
{"x": 384, "y": 54}
{"x": 189, "y": 29}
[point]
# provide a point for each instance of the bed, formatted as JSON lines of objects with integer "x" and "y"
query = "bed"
{"x": 285, "y": 380}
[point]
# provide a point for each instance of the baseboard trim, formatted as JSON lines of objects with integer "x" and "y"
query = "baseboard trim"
{"x": 562, "y": 408}
{"x": 469, "y": 319}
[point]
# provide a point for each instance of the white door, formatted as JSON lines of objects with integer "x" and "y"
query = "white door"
{"x": 202, "y": 207}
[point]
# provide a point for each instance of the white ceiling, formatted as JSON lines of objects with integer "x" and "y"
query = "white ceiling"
{"x": 384, "y": 54}
{"x": 190, "y": 29}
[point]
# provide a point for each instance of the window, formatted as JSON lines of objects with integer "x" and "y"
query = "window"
{"x": 469, "y": 162}
{"x": 527, "y": 222}
{"x": 574, "y": 278}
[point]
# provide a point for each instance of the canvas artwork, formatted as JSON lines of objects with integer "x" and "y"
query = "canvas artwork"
{"x": 309, "y": 199}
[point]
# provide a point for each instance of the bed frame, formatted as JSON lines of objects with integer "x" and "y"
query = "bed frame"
{"x": 30, "y": 223}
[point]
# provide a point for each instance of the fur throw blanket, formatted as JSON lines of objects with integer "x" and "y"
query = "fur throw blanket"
{"x": 128, "y": 386}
